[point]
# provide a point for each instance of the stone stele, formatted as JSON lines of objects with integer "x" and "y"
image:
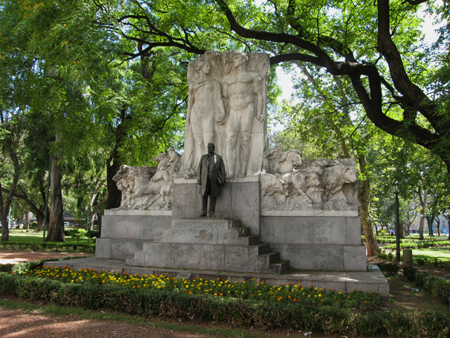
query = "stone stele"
{"x": 227, "y": 107}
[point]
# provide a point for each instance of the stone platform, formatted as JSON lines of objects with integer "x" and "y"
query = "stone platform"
{"x": 209, "y": 244}
{"x": 372, "y": 280}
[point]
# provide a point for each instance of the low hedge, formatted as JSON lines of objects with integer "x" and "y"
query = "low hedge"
{"x": 205, "y": 308}
{"x": 418, "y": 245}
{"x": 88, "y": 247}
{"x": 438, "y": 287}
{"x": 25, "y": 266}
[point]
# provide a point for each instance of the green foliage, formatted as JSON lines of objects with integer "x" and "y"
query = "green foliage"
{"x": 418, "y": 245}
{"x": 22, "y": 267}
{"x": 77, "y": 233}
{"x": 389, "y": 268}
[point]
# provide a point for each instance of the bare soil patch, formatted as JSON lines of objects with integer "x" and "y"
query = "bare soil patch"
{"x": 11, "y": 257}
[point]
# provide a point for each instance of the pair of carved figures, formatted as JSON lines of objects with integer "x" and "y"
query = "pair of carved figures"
{"x": 226, "y": 107}
{"x": 289, "y": 184}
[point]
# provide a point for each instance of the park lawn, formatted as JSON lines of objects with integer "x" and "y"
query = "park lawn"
{"x": 441, "y": 254}
{"x": 35, "y": 237}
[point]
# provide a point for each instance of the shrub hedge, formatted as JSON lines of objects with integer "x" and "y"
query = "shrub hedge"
{"x": 418, "y": 245}
{"x": 205, "y": 308}
{"x": 26, "y": 266}
{"x": 87, "y": 247}
{"x": 438, "y": 287}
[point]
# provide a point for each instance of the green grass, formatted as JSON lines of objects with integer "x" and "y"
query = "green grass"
{"x": 441, "y": 254}
{"x": 35, "y": 237}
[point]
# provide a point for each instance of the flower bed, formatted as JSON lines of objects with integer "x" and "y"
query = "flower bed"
{"x": 307, "y": 295}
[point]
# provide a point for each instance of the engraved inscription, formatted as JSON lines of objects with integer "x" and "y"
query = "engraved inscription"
{"x": 200, "y": 225}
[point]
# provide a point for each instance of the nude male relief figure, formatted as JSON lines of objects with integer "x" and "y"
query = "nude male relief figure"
{"x": 243, "y": 89}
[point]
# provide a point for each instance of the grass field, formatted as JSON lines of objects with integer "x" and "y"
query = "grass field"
{"x": 34, "y": 237}
{"x": 441, "y": 254}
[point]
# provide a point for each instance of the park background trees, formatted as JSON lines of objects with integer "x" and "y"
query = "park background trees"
{"x": 103, "y": 83}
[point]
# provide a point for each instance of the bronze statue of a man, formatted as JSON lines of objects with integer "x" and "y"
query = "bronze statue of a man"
{"x": 211, "y": 176}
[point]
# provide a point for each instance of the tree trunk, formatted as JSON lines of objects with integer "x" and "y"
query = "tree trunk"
{"x": 5, "y": 227}
{"x": 40, "y": 218}
{"x": 5, "y": 203}
{"x": 430, "y": 226}
{"x": 423, "y": 207}
{"x": 27, "y": 221}
{"x": 364, "y": 204}
{"x": 422, "y": 221}
{"x": 56, "y": 223}
{"x": 401, "y": 231}
{"x": 113, "y": 164}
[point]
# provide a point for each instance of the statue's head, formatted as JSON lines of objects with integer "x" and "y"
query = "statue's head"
{"x": 211, "y": 148}
{"x": 203, "y": 66}
{"x": 240, "y": 58}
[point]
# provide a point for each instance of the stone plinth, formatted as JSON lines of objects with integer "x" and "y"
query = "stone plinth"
{"x": 208, "y": 244}
{"x": 124, "y": 231}
{"x": 329, "y": 240}
{"x": 240, "y": 199}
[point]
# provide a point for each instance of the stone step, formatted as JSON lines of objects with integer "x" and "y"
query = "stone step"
{"x": 235, "y": 223}
{"x": 262, "y": 248}
{"x": 270, "y": 257}
{"x": 279, "y": 267}
{"x": 248, "y": 240}
{"x": 241, "y": 231}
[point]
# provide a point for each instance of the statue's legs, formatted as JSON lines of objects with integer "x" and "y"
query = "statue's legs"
{"x": 212, "y": 205}
{"x": 246, "y": 129}
{"x": 204, "y": 205}
{"x": 232, "y": 139}
{"x": 245, "y": 153}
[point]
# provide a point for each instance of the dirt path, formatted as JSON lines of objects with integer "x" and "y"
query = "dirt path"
{"x": 17, "y": 257}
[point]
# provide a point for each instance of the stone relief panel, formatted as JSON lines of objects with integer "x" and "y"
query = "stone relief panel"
{"x": 147, "y": 188}
{"x": 287, "y": 183}
{"x": 227, "y": 107}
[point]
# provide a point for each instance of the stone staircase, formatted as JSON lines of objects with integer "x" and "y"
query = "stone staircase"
{"x": 270, "y": 259}
{"x": 210, "y": 244}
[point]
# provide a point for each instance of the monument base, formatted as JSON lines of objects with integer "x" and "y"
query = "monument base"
{"x": 209, "y": 244}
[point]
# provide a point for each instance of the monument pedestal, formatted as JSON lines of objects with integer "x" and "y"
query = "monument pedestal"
{"x": 240, "y": 199}
{"x": 209, "y": 244}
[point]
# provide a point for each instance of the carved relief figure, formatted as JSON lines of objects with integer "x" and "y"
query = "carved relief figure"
{"x": 144, "y": 188}
{"x": 243, "y": 89}
{"x": 320, "y": 184}
{"x": 277, "y": 161}
{"x": 205, "y": 107}
{"x": 211, "y": 176}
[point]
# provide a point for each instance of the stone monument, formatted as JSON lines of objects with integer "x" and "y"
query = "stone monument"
{"x": 275, "y": 211}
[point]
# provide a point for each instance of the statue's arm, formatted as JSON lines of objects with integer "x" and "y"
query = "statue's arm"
{"x": 222, "y": 172}
{"x": 199, "y": 172}
{"x": 219, "y": 104}
{"x": 259, "y": 98}
{"x": 191, "y": 99}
